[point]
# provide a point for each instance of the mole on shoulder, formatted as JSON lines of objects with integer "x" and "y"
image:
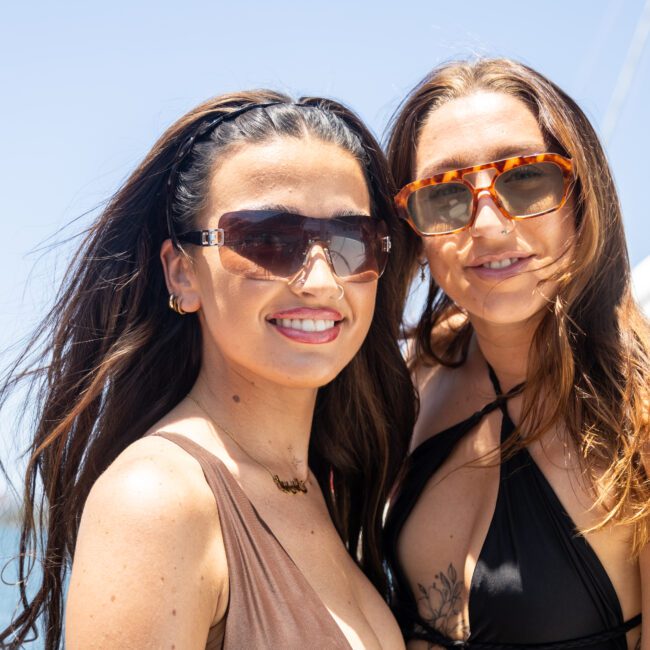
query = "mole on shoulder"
{"x": 235, "y": 398}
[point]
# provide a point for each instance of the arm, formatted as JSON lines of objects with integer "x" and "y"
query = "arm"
{"x": 644, "y": 564}
{"x": 149, "y": 569}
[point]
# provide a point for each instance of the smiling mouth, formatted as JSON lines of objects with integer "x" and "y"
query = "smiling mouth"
{"x": 304, "y": 324}
{"x": 501, "y": 264}
{"x": 500, "y": 269}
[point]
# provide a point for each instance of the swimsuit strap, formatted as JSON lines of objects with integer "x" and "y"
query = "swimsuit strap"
{"x": 424, "y": 632}
{"x": 501, "y": 397}
{"x": 494, "y": 379}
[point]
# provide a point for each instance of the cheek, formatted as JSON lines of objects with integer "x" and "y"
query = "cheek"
{"x": 563, "y": 231}
{"x": 228, "y": 302}
{"x": 551, "y": 236}
{"x": 443, "y": 257}
{"x": 366, "y": 306}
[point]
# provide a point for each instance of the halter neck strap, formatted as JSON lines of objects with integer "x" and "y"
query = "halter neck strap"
{"x": 501, "y": 397}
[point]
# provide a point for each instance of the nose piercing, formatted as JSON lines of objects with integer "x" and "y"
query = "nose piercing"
{"x": 341, "y": 291}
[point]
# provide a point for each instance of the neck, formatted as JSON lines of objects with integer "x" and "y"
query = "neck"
{"x": 506, "y": 348}
{"x": 270, "y": 422}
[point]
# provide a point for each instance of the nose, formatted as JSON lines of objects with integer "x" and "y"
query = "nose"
{"x": 489, "y": 221}
{"x": 316, "y": 277}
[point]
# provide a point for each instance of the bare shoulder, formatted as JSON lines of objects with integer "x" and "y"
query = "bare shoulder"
{"x": 153, "y": 476}
{"x": 449, "y": 395}
{"x": 149, "y": 563}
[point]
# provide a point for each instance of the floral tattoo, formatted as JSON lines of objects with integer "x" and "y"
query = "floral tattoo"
{"x": 440, "y": 604}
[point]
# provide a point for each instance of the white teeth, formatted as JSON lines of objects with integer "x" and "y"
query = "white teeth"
{"x": 305, "y": 325}
{"x": 501, "y": 264}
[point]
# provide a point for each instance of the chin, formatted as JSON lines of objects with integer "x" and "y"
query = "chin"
{"x": 307, "y": 380}
{"x": 508, "y": 309}
{"x": 310, "y": 372}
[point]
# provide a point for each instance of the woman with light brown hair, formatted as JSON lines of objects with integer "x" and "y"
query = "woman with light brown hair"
{"x": 522, "y": 515}
{"x": 225, "y": 295}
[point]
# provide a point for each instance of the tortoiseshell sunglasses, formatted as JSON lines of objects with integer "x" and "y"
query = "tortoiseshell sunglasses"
{"x": 521, "y": 187}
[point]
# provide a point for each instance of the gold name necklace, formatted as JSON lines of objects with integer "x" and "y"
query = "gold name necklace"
{"x": 293, "y": 486}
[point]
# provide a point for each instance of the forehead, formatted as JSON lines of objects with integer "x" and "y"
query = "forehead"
{"x": 476, "y": 129}
{"x": 306, "y": 175}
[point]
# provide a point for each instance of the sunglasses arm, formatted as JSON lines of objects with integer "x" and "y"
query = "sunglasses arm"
{"x": 213, "y": 237}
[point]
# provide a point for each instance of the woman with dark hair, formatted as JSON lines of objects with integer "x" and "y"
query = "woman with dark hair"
{"x": 521, "y": 517}
{"x": 228, "y": 291}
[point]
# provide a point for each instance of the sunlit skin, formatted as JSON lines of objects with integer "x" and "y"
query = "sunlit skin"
{"x": 504, "y": 306}
{"x": 259, "y": 383}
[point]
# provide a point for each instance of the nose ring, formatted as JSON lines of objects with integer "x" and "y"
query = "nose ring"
{"x": 341, "y": 291}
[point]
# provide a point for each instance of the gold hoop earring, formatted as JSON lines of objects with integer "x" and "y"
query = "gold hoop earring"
{"x": 175, "y": 305}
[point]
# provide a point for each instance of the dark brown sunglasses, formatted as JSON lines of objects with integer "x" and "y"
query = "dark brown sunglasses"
{"x": 273, "y": 245}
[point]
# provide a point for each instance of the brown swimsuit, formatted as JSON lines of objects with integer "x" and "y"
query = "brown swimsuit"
{"x": 271, "y": 604}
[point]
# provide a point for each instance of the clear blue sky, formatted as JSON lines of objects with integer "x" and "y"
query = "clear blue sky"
{"x": 87, "y": 87}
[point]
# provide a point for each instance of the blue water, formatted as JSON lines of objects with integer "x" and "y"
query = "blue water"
{"x": 9, "y": 536}
{"x": 8, "y": 595}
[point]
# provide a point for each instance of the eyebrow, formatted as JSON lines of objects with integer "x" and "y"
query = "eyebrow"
{"x": 463, "y": 160}
{"x": 279, "y": 207}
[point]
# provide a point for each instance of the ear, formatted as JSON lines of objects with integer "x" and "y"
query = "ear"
{"x": 180, "y": 277}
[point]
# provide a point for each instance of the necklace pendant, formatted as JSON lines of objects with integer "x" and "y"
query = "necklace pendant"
{"x": 290, "y": 487}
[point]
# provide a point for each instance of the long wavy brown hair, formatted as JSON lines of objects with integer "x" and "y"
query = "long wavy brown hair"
{"x": 110, "y": 358}
{"x": 589, "y": 364}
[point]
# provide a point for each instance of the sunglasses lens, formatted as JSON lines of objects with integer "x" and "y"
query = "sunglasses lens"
{"x": 441, "y": 208}
{"x": 528, "y": 190}
{"x": 261, "y": 245}
{"x": 355, "y": 247}
{"x": 267, "y": 245}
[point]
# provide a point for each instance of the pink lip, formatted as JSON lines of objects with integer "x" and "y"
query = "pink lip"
{"x": 303, "y": 313}
{"x": 500, "y": 274}
{"x": 322, "y": 313}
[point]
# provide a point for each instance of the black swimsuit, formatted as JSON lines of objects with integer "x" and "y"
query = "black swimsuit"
{"x": 537, "y": 582}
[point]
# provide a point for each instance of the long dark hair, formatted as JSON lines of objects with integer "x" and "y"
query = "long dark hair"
{"x": 112, "y": 359}
{"x": 589, "y": 364}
